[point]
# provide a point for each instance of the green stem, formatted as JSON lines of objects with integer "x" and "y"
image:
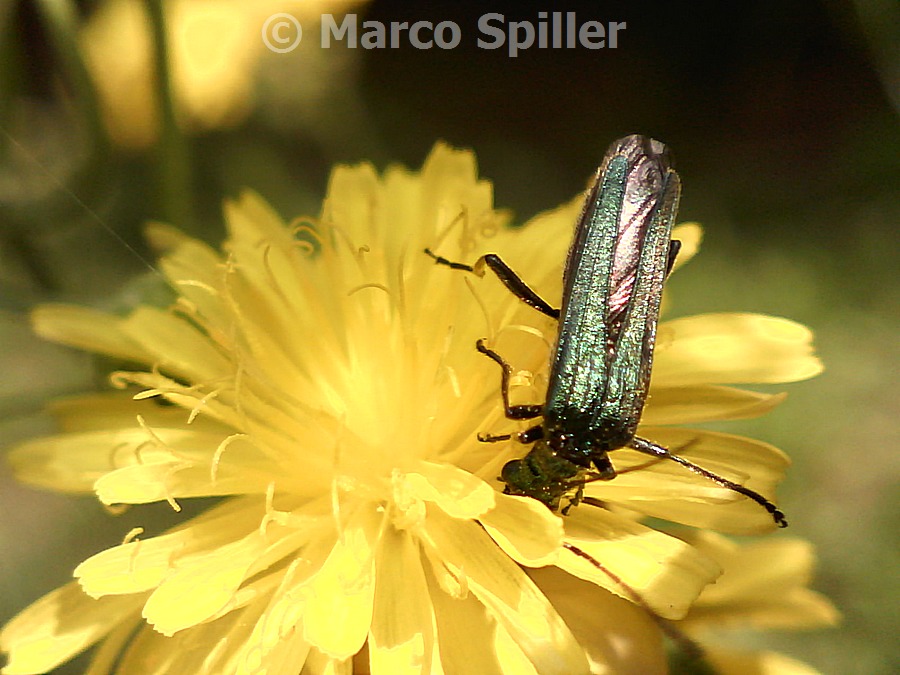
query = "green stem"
{"x": 173, "y": 162}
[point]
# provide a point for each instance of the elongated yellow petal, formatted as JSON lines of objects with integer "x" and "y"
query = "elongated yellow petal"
{"x": 665, "y": 572}
{"x": 143, "y": 564}
{"x": 733, "y": 348}
{"x": 60, "y": 625}
{"x": 619, "y": 637}
{"x": 197, "y": 402}
{"x": 513, "y": 658}
{"x": 339, "y": 597}
{"x": 457, "y": 492}
{"x": 756, "y": 663}
{"x": 505, "y": 590}
{"x": 170, "y": 479}
{"x": 70, "y": 463}
{"x": 141, "y": 465}
{"x": 206, "y": 648}
{"x": 176, "y": 346}
{"x": 401, "y": 638}
{"x": 211, "y": 580}
{"x": 108, "y": 653}
{"x": 111, "y": 411}
{"x": 88, "y": 329}
{"x": 279, "y": 615}
{"x": 525, "y": 529}
{"x": 458, "y": 619}
{"x": 764, "y": 585}
{"x": 662, "y": 488}
{"x": 706, "y": 403}
{"x": 195, "y": 270}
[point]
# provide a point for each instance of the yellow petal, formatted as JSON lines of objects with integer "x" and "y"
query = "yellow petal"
{"x": 798, "y": 608}
{"x": 666, "y": 572}
{"x": 705, "y": 403}
{"x": 108, "y": 653}
{"x": 664, "y": 489}
{"x": 110, "y": 411}
{"x": 188, "y": 397}
{"x": 176, "y": 345}
{"x": 731, "y": 348}
{"x": 620, "y": 638}
{"x": 194, "y": 595}
{"x": 554, "y": 229}
{"x": 401, "y": 639}
{"x": 140, "y": 483}
{"x": 457, "y": 492}
{"x": 450, "y": 187}
{"x": 290, "y": 655}
{"x": 281, "y": 614}
{"x": 736, "y": 662}
{"x": 240, "y": 470}
{"x": 764, "y": 585}
{"x": 251, "y": 218}
{"x": 143, "y": 564}
{"x": 60, "y": 625}
{"x": 207, "y": 648}
{"x": 318, "y": 663}
{"x": 465, "y": 634}
{"x": 512, "y": 657}
{"x": 141, "y": 465}
{"x": 525, "y": 529}
{"x": 267, "y": 649}
{"x": 763, "y": 569}
{"x": 88, "y": 329}
{"x": 205, "y": 583}
{"x": 69, "y": 462}
{"x": 339, "y": 597}
{"x": 501, "y": 585}
{"x": 690, "y": 235}
{"x": 151, "y": 653}
{"x": 195, "y": 270}
{"x": 351, "y": 190}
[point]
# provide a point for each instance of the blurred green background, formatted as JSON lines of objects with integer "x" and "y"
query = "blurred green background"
{"x": 783, "y": 118}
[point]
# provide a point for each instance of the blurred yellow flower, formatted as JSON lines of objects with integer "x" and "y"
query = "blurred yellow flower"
{"x": 763, "y": 586}
{"x": 322, "y": 377}
{"x": 214, "y": 49}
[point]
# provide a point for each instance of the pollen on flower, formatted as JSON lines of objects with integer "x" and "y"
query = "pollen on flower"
{"x": 325, "y": 386}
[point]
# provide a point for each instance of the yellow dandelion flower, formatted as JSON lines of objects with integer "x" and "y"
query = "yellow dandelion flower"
{"x": 321, "y": 377}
